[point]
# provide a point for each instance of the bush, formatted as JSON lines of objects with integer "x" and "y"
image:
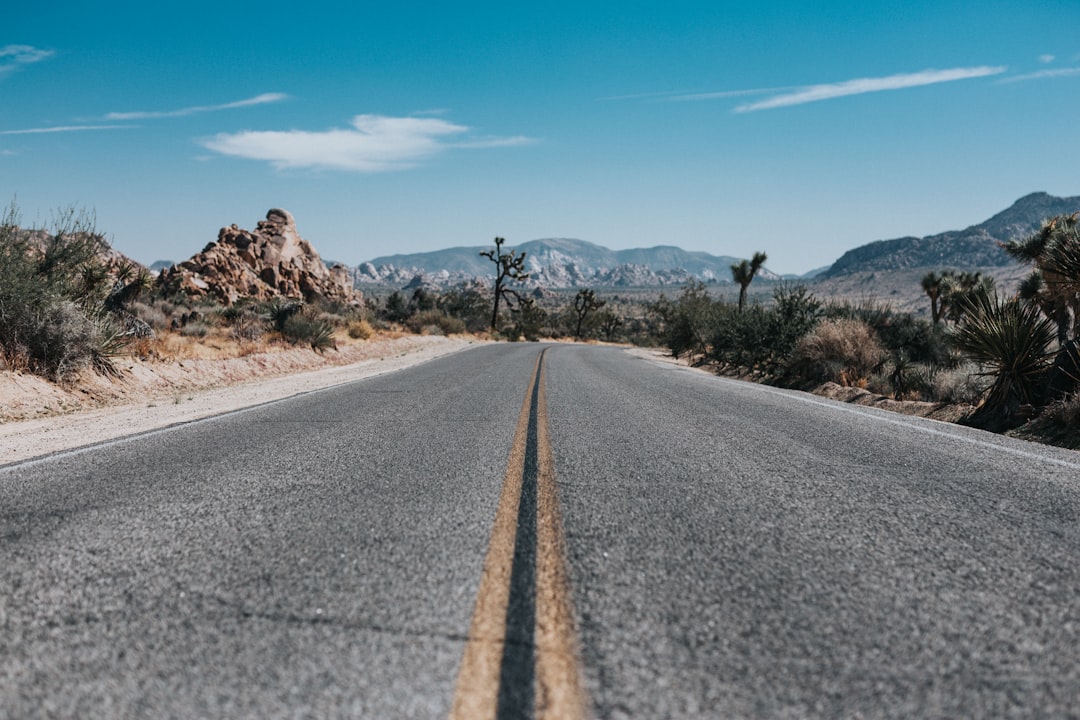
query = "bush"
{"x": 687, "y": 324}
{"x": 900, "y": 333}
{"x": 304, "y": 327}
{"x": 53, "y": 290}
{"x": 1011, "y": 340}
{"x": 360, "y": 330}
{"x": 196, "y": 329}
{"x": 840, "y": 350}
{"x": 434, "y": 322}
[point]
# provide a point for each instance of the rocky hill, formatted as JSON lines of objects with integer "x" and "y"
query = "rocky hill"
{"x": 556, "y": 263}
{"x": 270, "y": 261}
{"x": 976, "y": 247}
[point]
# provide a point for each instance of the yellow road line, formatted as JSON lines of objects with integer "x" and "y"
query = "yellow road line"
{"x": 559, "y": 691}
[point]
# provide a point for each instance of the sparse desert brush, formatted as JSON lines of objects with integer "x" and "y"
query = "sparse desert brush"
{"x": 198, "y": 329}
{"x": 434, "y": 322}
{"x": 152, "y": 315}
{"x": 963, "y": 385}
{"x": 360, "y": 330}
{"x": 841, "y": 350}
{"x": 1058, "y": 424}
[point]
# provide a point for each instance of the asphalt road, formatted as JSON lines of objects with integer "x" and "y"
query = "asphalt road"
{"x": 730, "y": 551}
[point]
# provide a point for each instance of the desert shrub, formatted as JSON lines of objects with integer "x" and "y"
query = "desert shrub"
{"x": 1058, "y": 424}
{"x": 434, "y": 322}
{"x": 279, "y": 310}
{"x": 360, "y": 330}
{"x": 468, "y": 305}
{"x": 958, "y": 385}
{"x": 152, "y": 315}
{"x": 304, "y": 327}
{"x": 762, "y": 338}
{"x": 900, "y": 333}
{"x": 529, "y": 320}
{"x": 841, "y": 350}
{"x": 197, "y": 329}
{"x": 53, "y": 288}
{"x": 244, "y": 321}
{"x": 1011, "y": 340}
{"x": 688, "y": 322}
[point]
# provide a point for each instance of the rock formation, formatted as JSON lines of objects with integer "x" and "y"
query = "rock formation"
{"x": 271, "y": 261}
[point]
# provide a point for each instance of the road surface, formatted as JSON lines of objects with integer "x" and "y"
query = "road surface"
{"x": 504, "y": 534}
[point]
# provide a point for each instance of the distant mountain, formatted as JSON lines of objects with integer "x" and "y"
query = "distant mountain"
{"x": 977, "y": 246}
{"x": 557, "y": 262}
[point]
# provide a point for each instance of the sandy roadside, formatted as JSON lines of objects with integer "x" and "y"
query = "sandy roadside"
{"x": 155, "y": 397}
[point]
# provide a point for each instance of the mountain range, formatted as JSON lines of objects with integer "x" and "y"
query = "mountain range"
{"x": 975, "y": 247}
{"x": 565, "y": 262}
{"x": 555, "y": 263}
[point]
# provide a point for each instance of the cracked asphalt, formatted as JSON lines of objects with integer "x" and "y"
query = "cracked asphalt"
{"x": 734, "y": 551}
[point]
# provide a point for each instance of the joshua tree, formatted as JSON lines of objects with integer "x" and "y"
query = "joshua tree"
{"x": 743, "y": 273}
{"x": 585, "y": 302}
{"x": 1054, "y": 285}
{"x": 509, "y": 267}
{"x": 935, "y": 286}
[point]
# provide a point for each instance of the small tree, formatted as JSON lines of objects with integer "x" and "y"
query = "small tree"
{"x": 585, "y": 302}
{"x": 509, "y": 267}
{"x": 743, "y": 273}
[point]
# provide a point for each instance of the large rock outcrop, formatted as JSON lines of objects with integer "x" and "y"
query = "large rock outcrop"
{"x": 270, "y": 261}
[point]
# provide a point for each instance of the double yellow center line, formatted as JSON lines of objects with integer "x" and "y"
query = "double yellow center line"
{"x": 521, "y": 658}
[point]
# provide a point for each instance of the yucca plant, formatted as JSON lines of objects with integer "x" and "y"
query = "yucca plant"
{"x": 1011, "y": 341}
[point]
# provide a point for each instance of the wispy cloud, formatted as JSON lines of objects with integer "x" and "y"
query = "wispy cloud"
{"x": 1041, "y": 74}
{"x": 860, "y": 86}
{"x": 263, "y": 99}
{"x": 64, "y": 128}
{"x": 374, "y": 143}
{"x": 728, "y": 94}
{"x": 13, "y": 57}
{"x": 1046, "y": 59}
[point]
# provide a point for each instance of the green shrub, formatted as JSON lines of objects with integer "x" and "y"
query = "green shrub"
{"x": 53, "y": 291}
{"x": 1011, "y": 340}
{"x": 304, "y": 327}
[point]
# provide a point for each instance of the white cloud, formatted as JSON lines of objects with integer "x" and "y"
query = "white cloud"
{"x": 374, "y": 143}
{"x": 727, "y": 94}
{"x": 1046, "y": 59}
{"x": 12, "y": 57}
{"x": 263, "y": 99}
{"x": 859, "y": 86}
{"x": 64, "y": 128}
{"x": 1060, "y": 72}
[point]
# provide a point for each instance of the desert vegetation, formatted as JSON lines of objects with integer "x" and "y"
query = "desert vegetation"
{"x": 68, "y": 304}
{"x": 1011, "y": 358}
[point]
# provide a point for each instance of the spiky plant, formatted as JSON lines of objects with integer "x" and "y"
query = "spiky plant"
{"x": 1054, "y": 251}
{"x": 1011, "y": 341}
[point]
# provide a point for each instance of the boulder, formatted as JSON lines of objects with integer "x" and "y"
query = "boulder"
{"x": 271, "y": 261}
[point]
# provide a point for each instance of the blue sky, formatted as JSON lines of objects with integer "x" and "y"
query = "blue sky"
{"x": 799, "y": 128}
